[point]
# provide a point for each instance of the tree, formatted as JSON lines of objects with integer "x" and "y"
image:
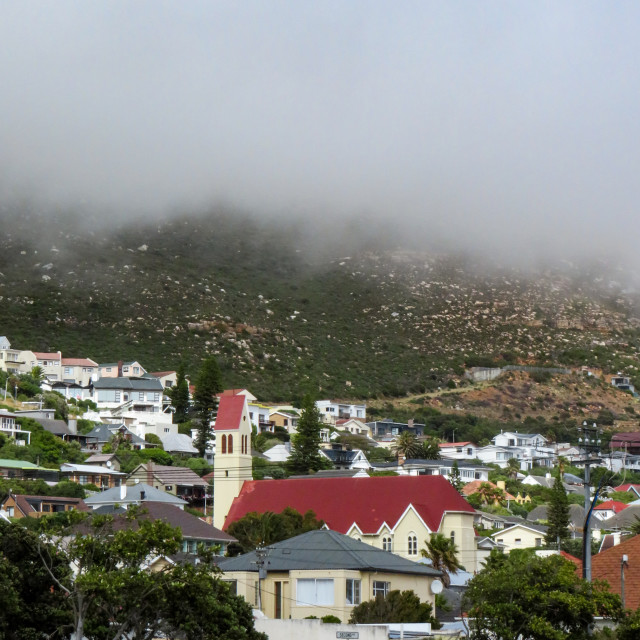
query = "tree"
{"x": 557, "y": 515}
{"x": 489, "y": 494}
{"x": 99, "y": 566}
{"x": 513, "y": 468}
{"x": 208, "y": 385}
{"x": 180, "y": 396}
{"x": 305, "y": 442}
{"x": 397, "y": 606}
{"x": 406, "y": 445}
{"x": 37, "y": 374}
{"x": 455, "y": 478}
{"x": 262, "y": 529}
{"x": 520, "y": 595}
{"x": 430, "y": 449}
{"x": 443, "y": 553}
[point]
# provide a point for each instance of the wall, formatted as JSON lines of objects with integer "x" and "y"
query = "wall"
{"x": 315, "y": 630}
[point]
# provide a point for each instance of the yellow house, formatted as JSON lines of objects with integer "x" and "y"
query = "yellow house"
{"x": 323, "y": 573}
{"x": 520, "y": 536}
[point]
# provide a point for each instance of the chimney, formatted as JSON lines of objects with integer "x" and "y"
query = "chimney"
{"x": 123, "y": 491}
{"x": 150, "y": 473}
{"x": 501, "y": 485}
{"x": 73, "y": 426}
{"x": 120, "y": 363}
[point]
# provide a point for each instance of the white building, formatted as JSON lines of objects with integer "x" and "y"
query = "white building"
{"x": 458, "y": 450}
{"x": 331, "y": 411}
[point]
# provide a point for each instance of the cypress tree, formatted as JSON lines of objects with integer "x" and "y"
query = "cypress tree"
{"x": 180, "y": 396}
{"x": 557, "y": 515}
{"x": 208, "y": 385}
{"x": 305, "y": 443}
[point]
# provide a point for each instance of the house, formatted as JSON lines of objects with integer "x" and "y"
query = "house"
{"x": 50, "y": 363}
{"x": 548, "y": 482}
{"x": 520, "y": 536}
{"x": 259, "y": 416}
{"x": 20, "y": 506}
{"x": 179, "y": 481}
{"x": 70, "y": 389}
{"x": 353, "y": 426}
{"x": 285, "y": 419}
{"x": 179, "y": 443}
{"x": 126, "y": 495}
{"x": 623, "y": 520}
{"x": 608, "y": 509}
{"x": 623, "y": 383}
{"x": 492, "y": 454}
{"x": 65, "y": 430}
{"x": 80, "y": 371}
{"x": 388, "y": 428}
{"x": 626, "y": 441}
{"x": 346, "y": 459}
{"x": 9, "y": 358}
{"x": 168, "y": 379}
{"x": 458, "y": 450}
{"x": 103, "y": 433}
{"x": 476, "y": 486}
{"x": 468, "y": 470}
{"x": 195, "y": 531}
{"x": 607, "y": 565}
{"x": 629, "y": 487}
{"x": 392, "y": 513}
{"x": 528, "y": 448}
{"x": 515, "y": 439}
{"x": 576, "y": 517}
{"x": 9, "y": 427}
{"x": 121, "y": 369}
{"x": 91, "y": 474}
{"x": 107, "y": 460}
{"x": 239, "y": 392}
{"x": 323, "y": 573}
{"x": 23, "y": 470}
{"x": 330, "y": 410}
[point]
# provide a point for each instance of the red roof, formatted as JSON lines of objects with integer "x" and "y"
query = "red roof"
{"x": 615, "y": 505}
{"x": 606, "y": 566}
{"x": 453, "y": 444}
{"x": 161, "y": 374}
{"x": 79, "y": 362}
{"x": 341, "y": 502}
{"x": 46, "y": 356}
{"x": 627, "y": 487}
{"x": 576, "y": 561}
{"x": 229, "y": 412}
{"x": 230, "y": 392}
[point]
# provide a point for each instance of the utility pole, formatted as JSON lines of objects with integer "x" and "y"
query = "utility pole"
{"x": 624, "y": 562}
{"x": 261, "y": 554}
{"x": 589, "y": 439}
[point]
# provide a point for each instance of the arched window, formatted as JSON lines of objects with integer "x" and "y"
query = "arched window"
{"x": 230, "y": 443}
{"x": 386, "y": 544}
{"x": 224, "y": 444}
{"x": 413, "y": 544}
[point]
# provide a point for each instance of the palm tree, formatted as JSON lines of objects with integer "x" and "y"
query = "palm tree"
{"x": 489, "y": 494}
{"x": 513, "y": 468}
{"x": 406, "y": 445}
{"x": 443, "y": 554}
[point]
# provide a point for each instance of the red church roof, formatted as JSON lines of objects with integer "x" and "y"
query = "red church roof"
{"x": 615, "y": 506}
{"x": 229, "y": 412}
{"x": 627, "y": 487}
{"x": 341, "y": 502}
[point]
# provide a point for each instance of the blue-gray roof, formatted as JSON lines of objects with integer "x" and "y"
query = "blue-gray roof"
{"x": 134, "y": 495}
{"x": 325, "y": 549}
{"x": 133, "y": 384}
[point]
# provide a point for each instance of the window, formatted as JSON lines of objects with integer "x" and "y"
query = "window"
{"x": 233, "y": 586}
{"x": 136, "y": 369}
{"x": 230, "y": 443}
{"x": 166, "y": 429}
{"x": 141, "y": 395}
{"x": 255, "y": 594}
{"x": 353, "y": 591}
{"x": 68, "y": 371}
{"x": 168, "y": 487}
{"x": 10, "y": 512}
{"x": 108, "y": 369}
{"x": 125, "y": 369}
{"x": 458, "y": 449}
{"x": 469, "y": 451}
{"x": 453, "y": 537}
{"x": 386, "y": 544}
{"x": 518, "y": 541}
{"x": 312, "y": 592}
{"x": 224, "y": 444}
{"x": 413, "y": 545}
{"x": 538, "y": 542}
{"x": 380, "y": 588}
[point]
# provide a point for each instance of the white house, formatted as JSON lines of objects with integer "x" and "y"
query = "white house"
{"x": 515, "y": 439}
{"x": 458, "y": 450}
{"x": 50, "y": 363}
{"x": 330, "y": 411}
{"x": 259, "y": 416}
{"x": 354, "y": 426}
{"x": 81, "y": 371}
{"x": 9, "y": 358}
{"x": 8, "y": 425}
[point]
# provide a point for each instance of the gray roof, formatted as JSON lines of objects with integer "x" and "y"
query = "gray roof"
{"x": 324, "y": 549}
{"x": 178, "y": 443}
{"x": 536, "y": 527}
{"x": 576, "y": 514}
{"x": 103, "y": 432}
{"x": 622, "y": 520}
{"x": 133, "y": 384}
{"x": 133, "y": 496}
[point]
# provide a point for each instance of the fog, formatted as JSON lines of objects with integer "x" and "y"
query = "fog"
{"x": 500, "y": 127}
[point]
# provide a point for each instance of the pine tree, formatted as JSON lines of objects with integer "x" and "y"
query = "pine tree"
{"x": 557, "y": 515}
{"x": 455, "y": 478}
{"x": 180, "y": 396}
{"x": 208, "y": 385}
{"x": 305, "y": 443}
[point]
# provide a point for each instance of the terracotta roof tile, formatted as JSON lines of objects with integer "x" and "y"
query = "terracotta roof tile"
{"x": 229, "y": 412}
{"x": 606, "y": 566}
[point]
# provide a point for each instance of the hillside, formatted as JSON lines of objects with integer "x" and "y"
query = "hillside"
{"x": 287, "y": 311}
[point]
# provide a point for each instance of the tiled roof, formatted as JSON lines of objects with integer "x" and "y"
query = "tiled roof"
{"x": 100, "y": 457}
{"x": 78, "y": 362}
{"x": 46, "y": 356}
{"x": 323, "y": 549}
{"x": 613, "y": 505}
{"x": 192, "y": 528}
{"x": 229, "y": 412}
{"x": 161, "y": 374}
{"x": 576, "y": 561}
{"x": 174, "y": 475}
{"x": 625, "y": 518}
{"x": 340, "y": 502}
{"x": 627, "y": 487}
{"x": 474, "y": 486}
{"x": 606, "y": 566}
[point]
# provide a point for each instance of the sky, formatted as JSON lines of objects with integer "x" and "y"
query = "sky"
{"x": 505, "y": 127}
